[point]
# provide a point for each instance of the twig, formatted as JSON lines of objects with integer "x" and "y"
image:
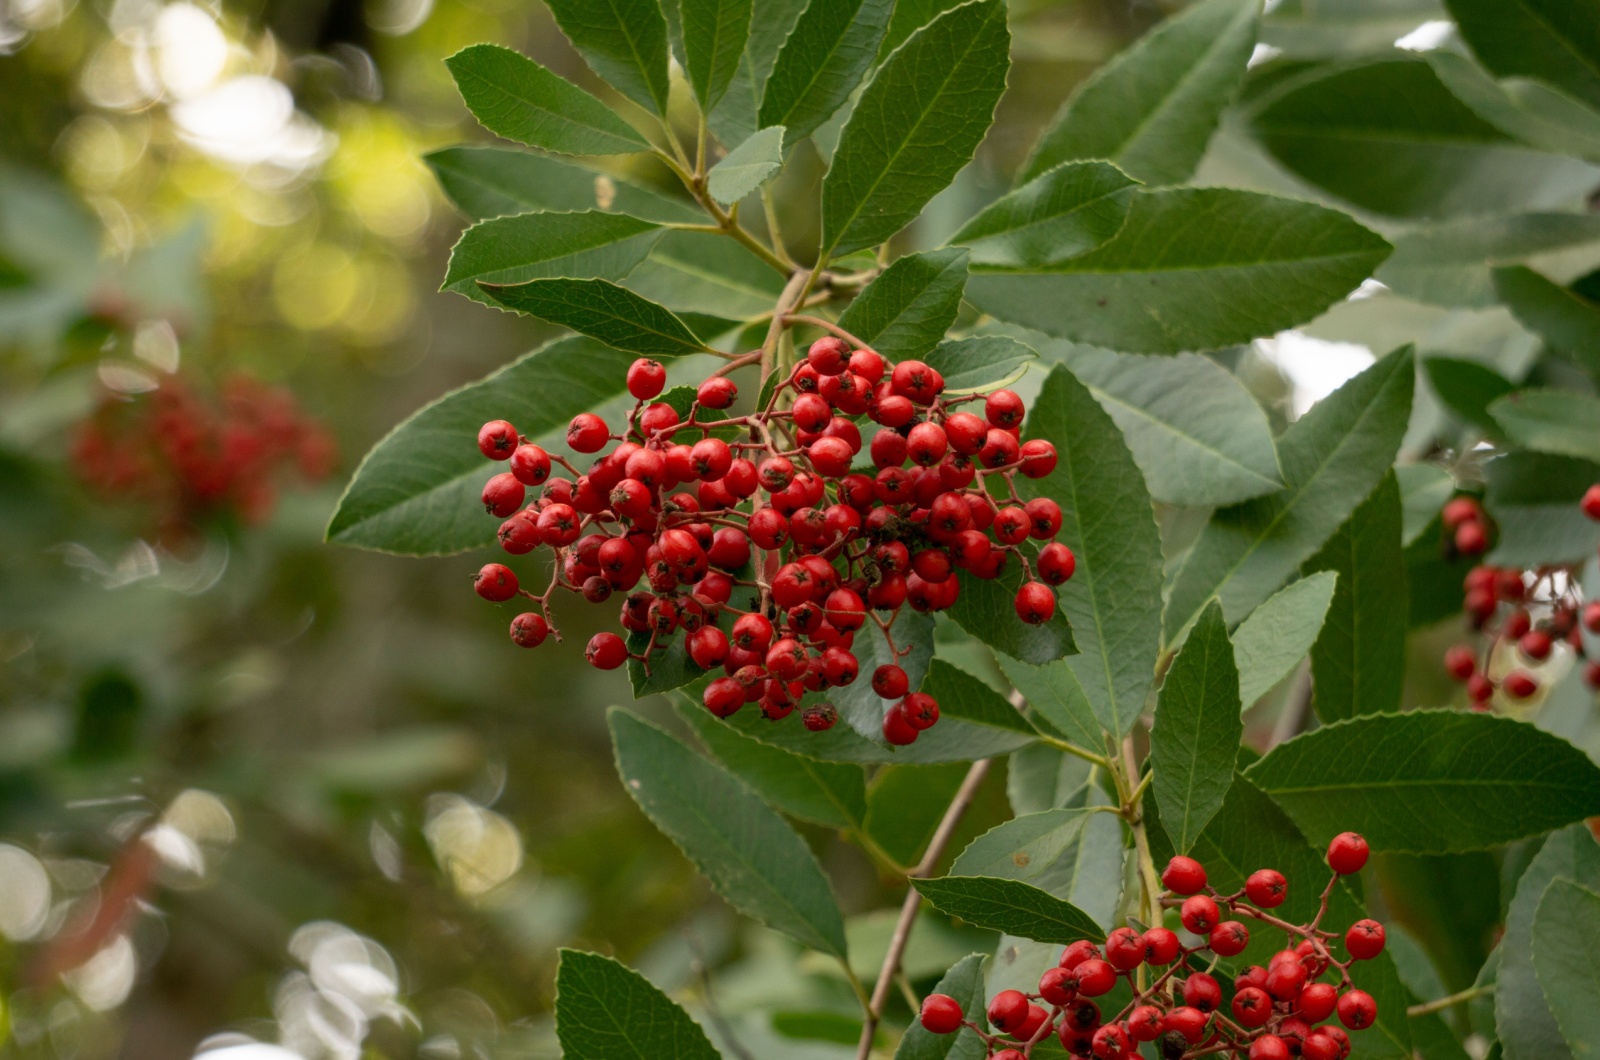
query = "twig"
{"x": 713, "y": 1013}
{"x": 908, "y": 909}
{"x": 1440, "y": 1004}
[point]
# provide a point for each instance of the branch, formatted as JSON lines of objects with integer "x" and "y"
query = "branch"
{"x": 908, "y": 908}
{"x": 1440, "y": 1004}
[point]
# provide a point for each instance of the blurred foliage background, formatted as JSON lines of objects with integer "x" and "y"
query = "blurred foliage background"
{"x": 256, "y": 789}
{"x": 374, "y": 819}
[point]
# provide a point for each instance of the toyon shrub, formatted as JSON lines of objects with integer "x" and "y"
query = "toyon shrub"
{"x": 985, "y": 495}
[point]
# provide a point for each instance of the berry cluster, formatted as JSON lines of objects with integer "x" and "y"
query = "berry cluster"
{"x": 198, "y": 455}
{"x": 1523, "y": 614}
{"x": 778, "y": 510}
{"x": 1276, "y": 1012}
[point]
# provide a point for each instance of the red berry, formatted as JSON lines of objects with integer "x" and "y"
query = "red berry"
{"x": 1058, "y": 986}
{"x": 1461, "y": 662}
{"x": 1056, "y": 563}
{"x": 1161, "y": 946}
{"x": 1202, "y": 991}
{"x": 606, "y": 651}
{"x": 1030, "y": 1026}
{"x": 1471, "y": 539}
{"x": 819, "y": 717}
{"x": 1229, "y": 938}
{"x": 890, "y": 681}
{"x": 1008, "y": 1009}
{"x": 921, "y": 710}
{"x": 1459, "y": 511}
{"x": 927, "y": 444}
{"x": 587, "y": 433}
{"x": 1111, "y": 1042}
{"x": 1251, "y": 1006}
{"x": 830, "y": 457}
{"x": 657, "y": 417}
{"x": 708, "y": 646}
{"x": 711, "y": 458}
{"x": 1520, "y": 684}
{"x": 1269, "y": 1047}
{"x": 1535, "y": 644}
{"x": 495, "y": 582}
{"x": 1285, "y": 979}
{"x": 717, "y": 392}
{"x": 528, "y": 630}
{"x": 1319, "y": 1047}
{"x": 1125, "y": 949}
{"x": 497, "y": 439}
{"x": 1347, "y": 853}
{"x": 723, "y": 696}
{"x": 1078, "y": 952}
{"x": 503, "y": 494}
{"x": 530, "y": 464}
{"x": 1044, "y": 518}
{"x": 829, "y": 355}
{"x": 1357, "y": 1010}
{"x": 1003, "y": 408}
{"x": 1480, "y": 689}
{"x": 1199, "y": 914}
{"x": 1095, "y": 977}
{"x": 1591, "y": 616}
{"x": 1591, "y": 502}
{"x": 1187, "y": 1021}
{"x": 1145, "y": 1023}
{"x": 1184, "y": 876}
{"x": 1038, "y": 458}
{"x": 1316, "y": 1002}
{"x": 915, "y": 380}
{"x": 1267, "y": 888}
{"x": 1035, "y": 603}
{"x": 1364, "y": 940}
{"x": 897, "y": 728}
{"x": 1000, "y": 449}
{"x": 646, "y": 378}
{"x": 941, "y": 1014}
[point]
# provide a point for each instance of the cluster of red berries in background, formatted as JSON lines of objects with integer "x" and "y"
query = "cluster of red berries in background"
{"x": 1523, "y": 615}
{"x": 199, "y": 454}
{"x": 1276, "y": 1012}
{"x": 778, "y": 514}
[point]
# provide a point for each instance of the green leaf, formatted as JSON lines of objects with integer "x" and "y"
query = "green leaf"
{"x": 916, "y": 125}
{"x": 1114, "y": 598}
{"x": 858, "y": 705}
{"x": 987, "y": 609}
{"x": 702, "y": 272}
{"x": 1533, "y": 498}
{"x": 1332, "y": 458}
{"x": 1529, "y": 111}
{"x": 515, "y": 97}
{"x": 1389, "y": 137}
{"x": 624, "y": 41}
{"x": 1023, "y": 848}
{"x": 1358, "y": 663}
{"x": 978, "y": 363}
{"x": 906, "y": 803}
{"x": 1527, "y": 1029}
{"x": 1194, "y": 430}
{"x": 1551, "y": 421}
{"x": 1430, "y": 781}
{"x": 1011, "y": 906}
{"x": 826, "y": 793}
{"x": 1449, "y": 264}
{"x": 535, "y": 246}
{"x": 497, "y": 181}
{"x": 601, "y": 310}
{"x": 1056, "y": 696}
{"x": 605, "y": 1011}
{"x": 964, "y": 697}
{"x": 1197, "y": 730}
{"x": 734, "y": 118}
{"x": 1568, "y": 322}
{"x": 1467, "y": 388}
{"x": 1191, "y": 268}
{"x": 1279, "y": 633}
{"x": 826, "y": 55}
{"x": 964, "y": 982}
{"x": 905, "y": 312}
{"x": 1059, "y": 214}
{"x": 417, "y": 492}
{"x": 747, "y": 166}
{"x": 714, "y": 37}
{"x": 750, "y": 855}
{"x": 669, "y": 669}
{"x": 1151, "y": 109}
{"x": 1554, "y": 40}
{"x": 1424, "y": 489}
{"x": 1566, "y": 939}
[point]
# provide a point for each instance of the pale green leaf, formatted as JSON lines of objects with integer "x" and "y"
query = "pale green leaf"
{"x": 1195, "y": 739}
{"x": 714, "y": 37}
{"x": 605, "y": 1011}
{"x": 417, "y": 492}
{"x": 1551, "y": 421}
{"x": 1059, "y": 214}
{"x": 916, "y": 125}
{"x": 1424, "y": 489}
{"x": 601, "y": 310}
{"x": 1529, "y": 111}
{"x": 1568, "y": 322}
{"x": 534, "y": 246}
{"x": 823, "y": 60}
{"x": 1429, "y": 781}
{"x": 1332, "y": 458}
{"x": 750, "y": 855}
{"x": 733, "y": 120}
{"x": 1055, "y": 695}
{"x": 747, "y": 166}
{"x": 702, "y": 272}
{"x": 1151, "y": 109}
{"x": 964, "y": 982}
{"x": 1554, "y": 40}
{"x": 1566, "y": 957}
{"x": 1449, "y": 264}
{"x": 515, "y": 97}
{"x": 1191, "y": 268}
{"x": 498, "y": 181}
{"x": 1011, "y": 906}
{"x": 1533, "y": 498}
{"x": 1279, "y": 633}
{"x": 1114, "y": 599}
{"x": 978, "y": 363}
{"x": 1358, "y": 663}
{"x": 624, "y": 41}
{"x": 906, "y": 310}
{"x": 1023, "y": 848}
